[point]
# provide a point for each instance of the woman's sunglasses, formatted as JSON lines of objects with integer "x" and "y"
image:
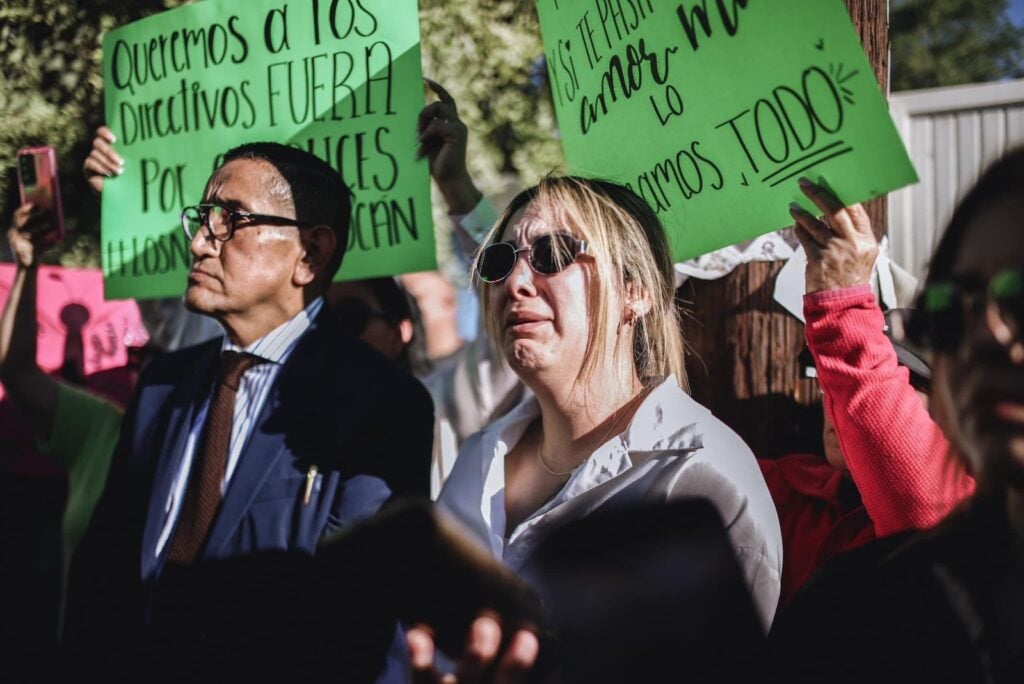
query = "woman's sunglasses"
{"x": 547, "y": 254}
{"x": 944, "y": 310}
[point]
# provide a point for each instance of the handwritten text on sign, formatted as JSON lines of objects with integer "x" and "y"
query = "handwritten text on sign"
{"x": 341, "y": 79}
{"x": 711, "y": 109}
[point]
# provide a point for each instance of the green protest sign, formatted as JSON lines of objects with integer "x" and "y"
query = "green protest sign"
{"x": 712, "y": 109}
{"x": 341, "y": 79}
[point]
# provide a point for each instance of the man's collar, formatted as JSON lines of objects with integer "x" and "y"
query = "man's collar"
{"x": 277, "y": 344}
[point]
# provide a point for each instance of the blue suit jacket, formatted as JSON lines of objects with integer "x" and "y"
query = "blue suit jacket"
{"x": 336, "y": 404}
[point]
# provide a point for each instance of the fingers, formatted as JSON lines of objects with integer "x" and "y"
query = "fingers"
{"x": 841, "y": 249}
{"x": 22, "y": 215}
{"x": 435, "y": 111}
{"x": 106, "y": 134}
{"x": 103, "y": 161}
{"x": 834, "y": 212}
{"x": 30, "y": 220}
{"x": 420, "y": 641}
{"x": 441, "y": 129}
{"x": 849, "y": 221}
{"x": 482, "y": 646}
{"x": 107, "y": 160}
{"x": 96, "y": 167}
{"x": 821, "y": 197}
{"x": 28, "y": 223}
{"x": 439, "y": 90}
{"x": 811, "y": 247}
{"x": 479, "y": 658}
{"x": 438, "y": 132}
{"x": 861, "y": 220}
{"x": 814, "y": 229}
{"x": 519, "y": 658}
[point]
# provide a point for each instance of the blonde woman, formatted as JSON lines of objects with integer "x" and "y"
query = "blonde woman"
{"x": 576, "y": 280}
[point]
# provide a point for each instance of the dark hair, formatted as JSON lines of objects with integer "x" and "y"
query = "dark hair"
{"x": 318, "y": 191}
{"x": 399, "y": 305}
{"x": 1002, "y": 180}
{"x": 392, "y": 298}
{"x": 355, "y": 301}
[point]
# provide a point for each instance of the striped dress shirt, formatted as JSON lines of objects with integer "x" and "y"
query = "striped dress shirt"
{"x": 275, "y": 347}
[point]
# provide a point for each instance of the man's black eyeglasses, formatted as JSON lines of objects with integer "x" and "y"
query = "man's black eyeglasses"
{"x": 221, "y": 222}
{"x": 547, "y": 255}
{"x": 945, "y": 309}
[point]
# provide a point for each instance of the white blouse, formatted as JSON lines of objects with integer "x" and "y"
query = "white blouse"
{"x": 673, "y": 444}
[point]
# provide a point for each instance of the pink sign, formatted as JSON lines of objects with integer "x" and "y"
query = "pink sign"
{"x": 76, "y": 325}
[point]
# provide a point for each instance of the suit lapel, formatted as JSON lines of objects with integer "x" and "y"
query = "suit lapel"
{"x": 186, "y": 401}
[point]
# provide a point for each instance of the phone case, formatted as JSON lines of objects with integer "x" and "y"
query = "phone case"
{"x": 38, "y": 183}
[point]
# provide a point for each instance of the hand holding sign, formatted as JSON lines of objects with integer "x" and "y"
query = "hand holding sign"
{"x": 103, "y": 161}
{"x": 841, "y": 248}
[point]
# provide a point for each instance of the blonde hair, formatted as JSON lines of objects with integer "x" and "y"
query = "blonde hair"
{"x": 631, "y": 252}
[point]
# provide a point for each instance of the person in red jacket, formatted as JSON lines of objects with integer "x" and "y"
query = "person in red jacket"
{"x": 886, "y": 469}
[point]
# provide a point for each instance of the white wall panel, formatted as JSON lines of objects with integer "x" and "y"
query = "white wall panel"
{"x": 952, "y": 134}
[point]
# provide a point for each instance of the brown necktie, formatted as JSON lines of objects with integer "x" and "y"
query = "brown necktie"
{"x": 202, "y": 496}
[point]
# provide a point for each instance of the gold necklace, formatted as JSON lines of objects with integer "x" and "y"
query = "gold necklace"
{"x": 544, "y": 463}
{"x": 617, "y": 418}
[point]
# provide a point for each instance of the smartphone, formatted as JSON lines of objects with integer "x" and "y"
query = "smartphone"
{"x": 38, "y": 184}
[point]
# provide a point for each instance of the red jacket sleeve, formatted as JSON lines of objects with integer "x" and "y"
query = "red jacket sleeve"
{"x": 895, "y": 453}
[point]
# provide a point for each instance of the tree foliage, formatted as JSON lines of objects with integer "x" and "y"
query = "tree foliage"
{"x": 51, "y": 92}
{"x": 487, "y": 53}
{"x": 950, "y": 42}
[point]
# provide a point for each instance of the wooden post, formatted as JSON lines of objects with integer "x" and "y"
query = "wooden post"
{"x": 743, "y": 347}
{"x": 871, "y": 17}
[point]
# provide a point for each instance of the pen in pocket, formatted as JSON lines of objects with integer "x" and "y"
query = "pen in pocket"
{"x": 310, "y": 481}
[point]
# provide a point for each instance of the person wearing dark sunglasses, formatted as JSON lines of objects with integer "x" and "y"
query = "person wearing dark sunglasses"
{"x": 576, "y": 280}
{"x": 945, "y": 310}
{"x": 948, "y": 603}
{"x": 546, "y": 255}
{"x": 885, "y": 469}
{"x": 970, "y": 315}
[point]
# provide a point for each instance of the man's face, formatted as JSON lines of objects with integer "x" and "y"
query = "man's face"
{"x": 251, "y": 274}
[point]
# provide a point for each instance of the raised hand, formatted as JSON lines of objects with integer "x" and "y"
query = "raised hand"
{"x": 841, "y": 245}
{"x": 102, "y": 161}
{"x": 27, "y": 225}
{"x": 442, "y": 138}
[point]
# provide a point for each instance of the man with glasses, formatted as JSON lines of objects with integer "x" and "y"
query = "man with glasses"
{"x": 285, "y": 429}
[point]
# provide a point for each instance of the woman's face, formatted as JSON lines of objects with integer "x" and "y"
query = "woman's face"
{"x": 981, "y": 385}
{"x": 544, "y": 319}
